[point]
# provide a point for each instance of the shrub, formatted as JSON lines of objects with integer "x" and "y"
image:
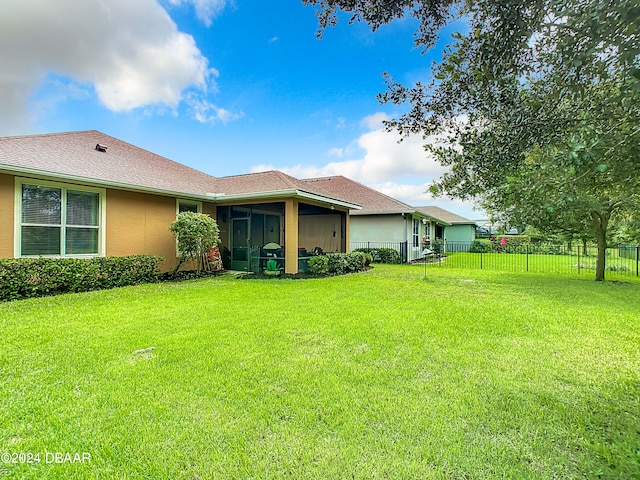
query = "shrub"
{"x": 481, "y": 245}
{"x": 319, "y": 265}
{"x": 517, "y": 240}
{"x": 338, "y": 263}
{"x": 196, "y": 233}
{"x": 616, "y": 268}
{"x": 609, "y": 267}
{"x": 36, "y": 277}
{"x": 551, "y": 249}
{"x": 437, "y": 246}
{"x": 516, "y": 244}
{"x": 356, "y": 261}
{"x": 381, "y": 255}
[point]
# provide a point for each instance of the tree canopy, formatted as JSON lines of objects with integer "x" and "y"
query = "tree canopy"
{"x": 536, "y": 105}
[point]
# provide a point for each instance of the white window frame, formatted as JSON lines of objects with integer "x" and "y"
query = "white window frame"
{"x": 180, "y": 201}
{"x": 102, "y": 216}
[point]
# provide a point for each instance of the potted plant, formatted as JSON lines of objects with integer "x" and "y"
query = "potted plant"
{"x": 272, "y": 268}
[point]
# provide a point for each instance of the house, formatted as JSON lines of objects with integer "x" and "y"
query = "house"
{"x": 383, "y": 221}
{"x": 460, "y": 232}
{"x": 84, "y": 194}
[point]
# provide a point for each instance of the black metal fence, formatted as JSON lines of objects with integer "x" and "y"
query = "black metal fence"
{"x": 544, "y": 258}
{"x": 402, "y": 249}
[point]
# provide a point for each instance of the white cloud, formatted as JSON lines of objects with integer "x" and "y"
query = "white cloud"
{"x": 206, "y": 112}
{"x": 131, "y": 52}
{"x": 206, "y": 10}
{"x": 336, "y": 152}
{"x": 382, "y": 158}
{"x": 401, "y": 170}
{"x": 374, "y": 122}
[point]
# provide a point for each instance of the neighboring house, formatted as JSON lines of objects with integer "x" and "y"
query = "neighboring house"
{"x": 85, "y": 194}
{"x": 459, "y": 233}
{"x": 487, "y": 229}
{"x": 384, "y": 221}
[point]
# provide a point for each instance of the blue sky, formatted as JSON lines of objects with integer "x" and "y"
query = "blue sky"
{"x": 227, "y": 87}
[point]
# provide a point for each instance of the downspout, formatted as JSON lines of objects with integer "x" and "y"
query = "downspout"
{"x": 405, "y": 226}
{"x": 406, "y": 241}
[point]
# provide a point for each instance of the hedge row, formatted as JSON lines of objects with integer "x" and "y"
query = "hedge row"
{"x": 481, "y": 245}
{"x": 339, "y": 263}
{"x": 516, "y": 245}
{"x": 381, "y": 255}
{"x": 36, "y": 277}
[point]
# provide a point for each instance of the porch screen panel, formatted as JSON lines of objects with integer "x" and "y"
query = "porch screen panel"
{"x": 322, "y": 231}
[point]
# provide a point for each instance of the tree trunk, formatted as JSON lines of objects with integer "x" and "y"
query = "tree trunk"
{"x": 600, "y": 222}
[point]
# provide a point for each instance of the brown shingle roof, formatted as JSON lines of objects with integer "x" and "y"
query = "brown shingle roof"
{"x": 348, "y": 190}
{"x": 274, "y": 182}
{"x": 74, "y": 155}
{"x": 444, "y": 215}
{"x": 270, "y": 181}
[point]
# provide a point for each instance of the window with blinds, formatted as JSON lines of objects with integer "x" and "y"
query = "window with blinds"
{"x": 59, "y": 221}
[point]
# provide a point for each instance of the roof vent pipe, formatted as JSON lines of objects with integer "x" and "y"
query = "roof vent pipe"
{"x": 100, "y": 147}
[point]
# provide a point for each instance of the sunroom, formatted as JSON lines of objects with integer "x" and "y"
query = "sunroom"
{"x": 289, "y": 231}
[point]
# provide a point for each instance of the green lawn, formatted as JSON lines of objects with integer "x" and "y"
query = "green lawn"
{"x": 467, "y": 375}
{"x": 616, "y": 267}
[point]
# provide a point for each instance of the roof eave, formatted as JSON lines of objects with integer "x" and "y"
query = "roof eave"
{"x": 218, "y": 197}
{"x": 212, "y": 197}
{"x": 383, "y": 212}
{"x": 44, "y": 175}
{"x": 436, "y": 220}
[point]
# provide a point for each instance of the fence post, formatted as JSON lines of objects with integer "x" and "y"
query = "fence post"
{"x": 637, "y": 258}
{"x": 526, "y": 249}
{"x": 578, "y": 259}
{"x": 480, "y": 260}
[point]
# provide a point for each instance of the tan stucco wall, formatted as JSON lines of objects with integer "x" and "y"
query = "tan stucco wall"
{"x": 138, "y": 223}
{"x": 209, "y": 209}
{"x": 7, "y": 198}
{"x": 291, "y": 235}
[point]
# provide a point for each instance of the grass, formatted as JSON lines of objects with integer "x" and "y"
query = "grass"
{"x": 615, "y": 266}
{"x": 464, "y": 375}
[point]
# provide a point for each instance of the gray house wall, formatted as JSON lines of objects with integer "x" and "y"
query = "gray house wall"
{"x": 460, "y": 233}
{"x": 394, "y": 229}
{"x": 378, "y": 228}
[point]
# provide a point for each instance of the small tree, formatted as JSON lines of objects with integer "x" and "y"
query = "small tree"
{"x": 195, "y": 233}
